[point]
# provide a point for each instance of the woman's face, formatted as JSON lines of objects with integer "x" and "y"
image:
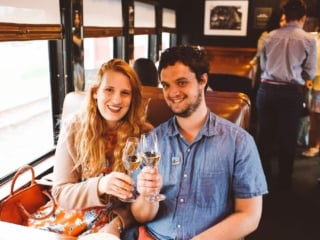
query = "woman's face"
{"x": 114, "y": 97}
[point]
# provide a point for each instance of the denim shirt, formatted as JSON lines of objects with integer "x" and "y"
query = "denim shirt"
{"x": 289, "y": 55}
{"x": 201, "y": 179}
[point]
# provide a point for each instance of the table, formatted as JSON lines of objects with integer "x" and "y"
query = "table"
{"x": 10, "y": 231}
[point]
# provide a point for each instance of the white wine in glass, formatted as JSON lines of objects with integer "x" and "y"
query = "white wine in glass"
{"x": 131, "y": 161}
{"x": 150, "y": 156}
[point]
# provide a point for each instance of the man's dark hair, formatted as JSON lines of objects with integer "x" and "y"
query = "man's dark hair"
{"x": 294, "y": 9}
{"x": 193, "y": 57}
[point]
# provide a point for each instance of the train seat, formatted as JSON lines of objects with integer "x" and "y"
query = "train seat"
{"x": 71, "y": 103}
{"x": 233, "y": 106}
{"x": 231, "y": 83}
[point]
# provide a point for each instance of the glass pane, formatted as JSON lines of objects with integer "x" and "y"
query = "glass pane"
{"x": 26, "y": 131}
{"x": 165, "y": 40}
{"x": 35, "y": 12}
{"x": 94, "y": 13}
{"x": 169, "y": 18}
{"x": 96, "y": 52}
{"x": 144, "y": 15}
{"x": 140, "y": 46}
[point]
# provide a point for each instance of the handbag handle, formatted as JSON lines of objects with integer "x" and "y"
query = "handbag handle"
{"x": 22, "y": 208}
{"x": 39, "y": 217}
{"x": 18, "y": 173}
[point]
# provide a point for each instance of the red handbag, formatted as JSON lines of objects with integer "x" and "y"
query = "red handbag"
{"x": 19, "y": 206}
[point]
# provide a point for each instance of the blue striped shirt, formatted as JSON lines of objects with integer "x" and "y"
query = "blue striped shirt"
{"x": 289, "y": 55}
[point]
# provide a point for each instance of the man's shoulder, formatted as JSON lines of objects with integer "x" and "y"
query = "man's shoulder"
{"x": 222, "y": 123}
{"x": 165, "y": 126}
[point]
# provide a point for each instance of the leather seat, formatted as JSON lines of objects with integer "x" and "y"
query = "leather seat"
{"x": 231, "y": 83}
{"x": 233, "y": 106}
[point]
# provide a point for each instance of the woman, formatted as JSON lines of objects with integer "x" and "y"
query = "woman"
{"x": 88, "y": 170}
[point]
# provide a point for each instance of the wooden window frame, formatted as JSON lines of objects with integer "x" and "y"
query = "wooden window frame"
{"x": 22, "y": 32}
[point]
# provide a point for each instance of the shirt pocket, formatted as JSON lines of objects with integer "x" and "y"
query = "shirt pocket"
{"x": 211, "y": 189}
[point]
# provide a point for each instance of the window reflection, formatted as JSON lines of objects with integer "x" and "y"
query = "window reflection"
{"x": 77, "y": 48}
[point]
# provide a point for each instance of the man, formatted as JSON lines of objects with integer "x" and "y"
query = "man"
{"x": 212, "y": 176}
{"x": 288, "y": 59}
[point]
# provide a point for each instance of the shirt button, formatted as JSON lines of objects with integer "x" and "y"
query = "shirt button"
{"x": 185, "y": 175}
{"x": 178, "y": 226}
{"x": 188, "y": 150}
{"x": 181, "y": 200}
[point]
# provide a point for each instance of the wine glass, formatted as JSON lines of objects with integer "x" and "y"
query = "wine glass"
{"x": 150, "y": 156}
{"x": 131, "y": 161}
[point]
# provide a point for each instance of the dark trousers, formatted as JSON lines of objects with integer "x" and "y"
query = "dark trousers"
{"x": 279, "y": 108}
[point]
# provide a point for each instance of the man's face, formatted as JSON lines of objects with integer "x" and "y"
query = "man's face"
{"x": 182, "y": 91}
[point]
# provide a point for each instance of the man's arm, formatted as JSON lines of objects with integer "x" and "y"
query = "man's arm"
{"x": 148, "y": 181}
{"x": 310, "y": 65}
{"x": 242, "y": 222}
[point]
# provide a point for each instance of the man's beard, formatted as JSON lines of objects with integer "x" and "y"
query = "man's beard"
{"x": 191, "y": 108}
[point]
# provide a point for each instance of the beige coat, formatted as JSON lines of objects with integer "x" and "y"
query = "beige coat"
{"x": 70, "y": 192}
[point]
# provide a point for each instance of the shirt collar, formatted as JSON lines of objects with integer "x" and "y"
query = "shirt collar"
{"x": 208, "y": 129}
{"x": 294, "y": 24}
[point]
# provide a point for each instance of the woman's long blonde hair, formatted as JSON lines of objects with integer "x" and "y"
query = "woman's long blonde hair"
{"x": 90, "y": 128}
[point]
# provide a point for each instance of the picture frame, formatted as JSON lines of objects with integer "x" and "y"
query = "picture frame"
{"x": 226, "y": 18}
{"x": 261, "y": 17}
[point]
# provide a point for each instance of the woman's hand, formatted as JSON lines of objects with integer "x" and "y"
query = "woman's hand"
{"x": 117, "y": 184}
{"x": 149, "y": 181}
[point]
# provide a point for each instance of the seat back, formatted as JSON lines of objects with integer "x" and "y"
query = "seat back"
{"x": 233, "y": 106}
{"x": 231, "y": 83}
{"x": 156, "y": 107}
{"x": 72, "y": 102}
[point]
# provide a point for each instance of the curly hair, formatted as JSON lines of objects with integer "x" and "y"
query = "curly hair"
{"x": 193, "y": 57}
{"x": 90, "y": 129}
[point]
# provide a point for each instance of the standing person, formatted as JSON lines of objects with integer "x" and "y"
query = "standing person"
{"x": 276, "y": 20}
{"x": 77, "y": 51}
{"x": 88, "y": 170}
{"x": 287, "y": 60}
{"x": 212, "y": 175}
{"x": 314, "y": 132}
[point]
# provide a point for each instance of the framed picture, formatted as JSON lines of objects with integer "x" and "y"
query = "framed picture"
{"x": 226, "y": 18}
{"x": 261, "y": 17}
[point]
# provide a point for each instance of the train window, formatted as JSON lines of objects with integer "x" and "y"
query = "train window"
{"x": 168, "y": 18}
{"x": 32, "y": 12}
{"x": 144, "y": 15}
{"x": 25, "y": 104}
{"x": 97, "y": 51}
{"x": 141, "y": 46}
{"x": 106, "y": 13}
{"x": 168, "y": 28}
{"x": 165, "y": 40}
